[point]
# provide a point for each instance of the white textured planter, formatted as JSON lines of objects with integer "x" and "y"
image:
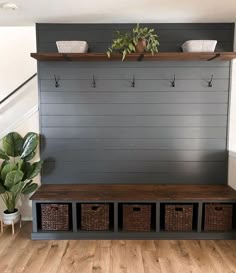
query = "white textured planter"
{"x": 199, "y": 46}
{"x": 72, "y": 46}
{"x": 8, "y": 218}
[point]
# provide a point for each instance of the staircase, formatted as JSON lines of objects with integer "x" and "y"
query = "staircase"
{"x": 19, "y": 107}
{"x": 19, "y": 112}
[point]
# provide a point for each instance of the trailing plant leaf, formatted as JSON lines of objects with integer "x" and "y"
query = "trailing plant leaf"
{"x": 30, "y": 144}
{"x": 13, "y": 178}
{"x": 12, "y": 144}
{"x": 7, "y": 169}
{"x": 3, "y": 155}
{"x": 30, "y": 188}
{"x": 34, "y": 169}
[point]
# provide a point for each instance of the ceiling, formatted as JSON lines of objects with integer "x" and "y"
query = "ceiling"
{"x": 122, "y": 11}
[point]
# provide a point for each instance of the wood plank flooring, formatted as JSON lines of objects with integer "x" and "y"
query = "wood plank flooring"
{"x": 18, "y": 253}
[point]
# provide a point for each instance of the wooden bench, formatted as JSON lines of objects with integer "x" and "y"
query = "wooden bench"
{"x": 118, "y": 194}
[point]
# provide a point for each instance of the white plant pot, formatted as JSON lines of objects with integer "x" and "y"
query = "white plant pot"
{"x": 8, "y": 218}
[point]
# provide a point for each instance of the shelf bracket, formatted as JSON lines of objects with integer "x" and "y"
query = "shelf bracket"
{"x": 217, "y": 55}
{"x": 140, "y": 58}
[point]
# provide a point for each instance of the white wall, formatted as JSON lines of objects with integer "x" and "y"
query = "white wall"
{"x": 232, "y": 125}
{"x": 16, "y": 65}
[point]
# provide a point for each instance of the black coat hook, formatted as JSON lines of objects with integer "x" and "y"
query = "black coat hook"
{"x": 210, "y": 82}
{"x": 133, "y": 82}
{"x": 56, "y": 81}
{"x": 173, "y": 82}
{"x": 94, "y": 82}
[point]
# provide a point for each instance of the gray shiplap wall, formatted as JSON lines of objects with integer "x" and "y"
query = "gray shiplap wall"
{"x": 152, "y": 133}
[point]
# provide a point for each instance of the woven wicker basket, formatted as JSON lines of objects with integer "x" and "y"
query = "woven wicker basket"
{"x": 55, "y": 217}
{"x": 218, "y": 217}
{"x": 136, "y": 217}
{"x": 178, "y": 217}
{"x": 95, "y": 217}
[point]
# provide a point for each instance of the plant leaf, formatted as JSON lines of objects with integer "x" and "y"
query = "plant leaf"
{"x": 30, "y": 188}
{"x": 17, "y": 188}
{"x": 30, "y": 156}
{"x": 7, "y": 169}
{"x": 34, "y": 169}
{"x": 13, "y": 178}
{"x": 3, "y": 155}
{"x": 30, "y": 144}
{"x": 2, "y": 189}
{"x": 12, "y": 144}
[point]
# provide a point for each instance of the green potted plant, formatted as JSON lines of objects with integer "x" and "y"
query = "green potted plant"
{"x": 17, "y": 171}
{"x": 139, "y": 40}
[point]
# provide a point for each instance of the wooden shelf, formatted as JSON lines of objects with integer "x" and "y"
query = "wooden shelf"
{"x": 161, "y": 56}
{"x": 129, "y": 192}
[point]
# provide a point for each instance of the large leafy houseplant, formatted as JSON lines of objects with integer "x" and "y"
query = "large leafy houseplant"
{"x": 17, "y": 171}
{"x": 139, "y": 40}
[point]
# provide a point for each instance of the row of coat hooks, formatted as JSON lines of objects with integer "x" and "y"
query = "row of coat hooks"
{"x": 210, "y": 83}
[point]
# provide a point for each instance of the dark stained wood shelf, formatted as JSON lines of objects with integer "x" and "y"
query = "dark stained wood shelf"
{"x": 161, "y": 56}
{"x": 130, "y": 192}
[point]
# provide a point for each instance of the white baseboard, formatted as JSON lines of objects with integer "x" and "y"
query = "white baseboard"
{"x": 27, "y": 219}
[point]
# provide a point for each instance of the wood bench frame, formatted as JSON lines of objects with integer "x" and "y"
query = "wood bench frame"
{"x": 122, "y": 193}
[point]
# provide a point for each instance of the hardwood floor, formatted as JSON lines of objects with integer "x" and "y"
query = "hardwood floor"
{"x": 18, "y": 253}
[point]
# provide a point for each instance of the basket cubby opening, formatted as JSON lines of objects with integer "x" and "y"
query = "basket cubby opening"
{"x": 152, "y": 220}
{"x": 56, "y": 215}
{"x": 94, "y": 207}
{"x": 218, "y": 217}
{"x": 179, "y": 208}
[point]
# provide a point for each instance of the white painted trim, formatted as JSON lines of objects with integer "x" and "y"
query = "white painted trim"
{"x": 232, "y": 154}
{"x": 18, "y": 122}
{"x": 26, "y": 219}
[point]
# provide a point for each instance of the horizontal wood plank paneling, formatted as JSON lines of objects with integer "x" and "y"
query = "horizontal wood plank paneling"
{"x": 114, "y": 155}
{"x": 137, "y": 166}
{"x": 171, "y": 36}
{"x": 168, "y": 35}
{"x": 149, "y": 133}
{"x": 162, "y": 73}
{"x": 221, "y": 85}
{"x": 52, "y": 145}
{"x": 164, "y": 46}
{"x": 124, "y": 26}
{"x": 147, "y": 64}
{"x": 59, "y": 177}
{"x": 134, "y": 109}
{"x": 134, "y": 132}
{"x": 133, "y": 121}
{"x": 134, "y": 97}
